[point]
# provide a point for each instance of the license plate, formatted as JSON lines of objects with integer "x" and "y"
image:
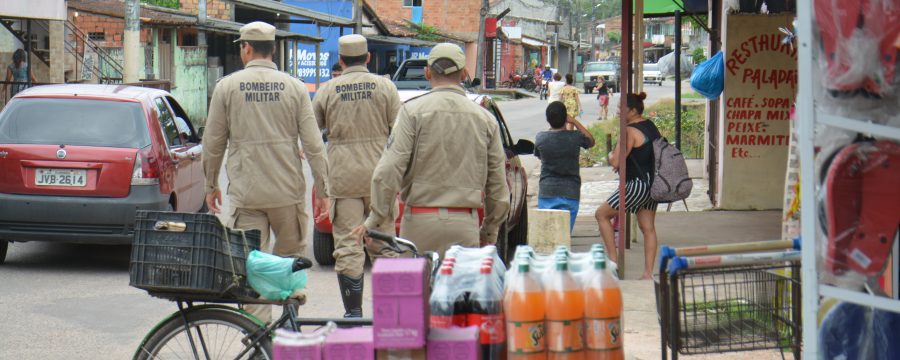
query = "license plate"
{"x": 60, "y": 177}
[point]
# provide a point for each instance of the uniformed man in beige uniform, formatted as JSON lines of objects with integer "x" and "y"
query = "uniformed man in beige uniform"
{"x": 259, "y": 113}
{"x": 444, "y": 156}
{"x": 357, "y": 109}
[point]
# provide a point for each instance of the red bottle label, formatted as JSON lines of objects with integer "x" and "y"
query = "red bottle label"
{"x": 491, "y": 327}
{"x": 441, "y": 321}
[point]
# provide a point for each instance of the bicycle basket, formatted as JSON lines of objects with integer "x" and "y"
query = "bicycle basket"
{"x": 183, "y": 253}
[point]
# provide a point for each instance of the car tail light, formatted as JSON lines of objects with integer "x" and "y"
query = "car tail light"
{"x": 143, "y": 173}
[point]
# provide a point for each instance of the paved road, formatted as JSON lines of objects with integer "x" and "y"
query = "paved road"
{"x": 525, "y": 118}
{"x": 63, "y": 301}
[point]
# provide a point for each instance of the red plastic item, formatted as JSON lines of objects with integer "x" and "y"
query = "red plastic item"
{"x": 863, "y": 206}
{"x": 844, "y": 27}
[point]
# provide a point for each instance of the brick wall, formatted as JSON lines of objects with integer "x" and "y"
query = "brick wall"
{"x": 454, "y": 16}
{"x": 113, "y": 28}
{"x": 219, "y": 9}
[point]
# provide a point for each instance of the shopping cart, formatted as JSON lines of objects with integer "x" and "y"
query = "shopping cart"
{"x": 727, "y": 298}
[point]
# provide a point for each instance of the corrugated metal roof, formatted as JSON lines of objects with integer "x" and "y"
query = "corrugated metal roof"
{"x": 149, "y": 15}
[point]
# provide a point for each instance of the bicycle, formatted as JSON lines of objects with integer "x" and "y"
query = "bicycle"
{"x": 214, "y": 330}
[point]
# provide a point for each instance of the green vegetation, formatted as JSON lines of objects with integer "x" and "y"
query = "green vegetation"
{"x": 662, "y": 113}
{"x": 172, "y": 4}
{"x": 693, "y": 122}
{"x": 614, "y": 36}
{"x": 597, "y": 154}
{"x": 698, "y": 56}
{"x": 428, "y": 33}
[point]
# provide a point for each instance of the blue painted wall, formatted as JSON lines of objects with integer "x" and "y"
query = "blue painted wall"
{"x": 329, "y": 48}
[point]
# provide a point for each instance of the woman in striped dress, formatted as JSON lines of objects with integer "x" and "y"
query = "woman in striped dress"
{"x": 638, "y": 177}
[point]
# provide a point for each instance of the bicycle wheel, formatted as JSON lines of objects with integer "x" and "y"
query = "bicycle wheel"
{"x": 216, "y": 334}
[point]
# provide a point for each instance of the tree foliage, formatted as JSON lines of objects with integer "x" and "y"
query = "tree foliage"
{"x": 172, "y": 4}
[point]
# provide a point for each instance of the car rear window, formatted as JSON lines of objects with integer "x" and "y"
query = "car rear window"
{"x": 76, "y": 122}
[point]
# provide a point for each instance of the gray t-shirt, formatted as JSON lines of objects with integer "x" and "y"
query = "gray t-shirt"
{"x": 560, "y": 173}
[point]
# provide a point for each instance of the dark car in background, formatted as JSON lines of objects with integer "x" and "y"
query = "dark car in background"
{"x": 513, "y": 232}
{"x": 77, "y": 162}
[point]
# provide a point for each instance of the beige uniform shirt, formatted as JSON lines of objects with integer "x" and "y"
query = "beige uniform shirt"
{"x": 358, "y": 109}
{"x": 444, "y": 151}
{"x": 259, "y": 113}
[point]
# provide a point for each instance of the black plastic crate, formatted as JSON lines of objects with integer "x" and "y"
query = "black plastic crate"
{"x": 194, "y": 259}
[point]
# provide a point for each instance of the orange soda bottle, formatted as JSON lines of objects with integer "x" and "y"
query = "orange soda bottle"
{"x": 523, "y": 304}
{"x": 565, "y": 314}
{"x": 603, "y": 315}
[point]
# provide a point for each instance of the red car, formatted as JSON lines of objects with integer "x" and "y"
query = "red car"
{"x": 77, "y": 162}
{"x": 513, "y": 232}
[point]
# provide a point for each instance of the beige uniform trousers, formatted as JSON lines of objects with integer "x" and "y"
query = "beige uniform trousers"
{"x": 439, "y": 231}
{"x": 346, "y": 215}
{"x": 288, "y": 223}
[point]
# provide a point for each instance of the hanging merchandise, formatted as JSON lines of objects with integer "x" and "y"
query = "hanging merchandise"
{"x": 862, "y": 207}
{"x": 859, "y": 44}
{"x": 708, "y": 78}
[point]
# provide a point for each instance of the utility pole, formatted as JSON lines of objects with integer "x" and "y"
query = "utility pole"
{"x": 201, "y": 18}
{"x": 593, "y": 28}
{"x": 357, "y": 16}
{"x": 132, "y": 40}
{"x": 479, "y": 62}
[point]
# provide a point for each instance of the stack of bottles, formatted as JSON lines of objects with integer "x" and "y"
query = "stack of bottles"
{"x": 563, "y": 306}
{"x": 468, "y": 291}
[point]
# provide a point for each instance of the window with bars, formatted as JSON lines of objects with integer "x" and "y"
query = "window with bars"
{"x": 97, "y": 36}
{"x": 409, "y": 3}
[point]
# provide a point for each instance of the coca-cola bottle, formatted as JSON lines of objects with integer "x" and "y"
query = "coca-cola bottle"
{"x": 442, "y": 302}
{"x": 486, "y": 312}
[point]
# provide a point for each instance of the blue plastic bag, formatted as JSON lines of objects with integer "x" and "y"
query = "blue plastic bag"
{"x": 708, "y": 78}
{"x": 271, "y": 275}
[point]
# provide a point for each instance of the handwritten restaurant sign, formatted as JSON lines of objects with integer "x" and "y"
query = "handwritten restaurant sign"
{"x": 760, "y": 88}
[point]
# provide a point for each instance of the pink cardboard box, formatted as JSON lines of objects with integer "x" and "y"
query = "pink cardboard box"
{"x": 400, "y": 303}
{"x": 350, "y": 344}
{"x": 289, "y": 345}
{"x": 309, "y": 351}
{"x": 453, "y": 343}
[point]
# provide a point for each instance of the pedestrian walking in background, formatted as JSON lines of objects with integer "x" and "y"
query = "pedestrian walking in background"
{"x": 445, "y": 156}
{"x": 571, "y": 98}
{"x": 603, "y": 97}
{"x": 18, "y": 72}
{"x": 559, "y": 150}
{"x": 258, "y": 114}
{"x": 358, "y": 110}
{"x": 639, "y": 152}
{"x": 336, "y": 70}
{"x": 554, "y": 88}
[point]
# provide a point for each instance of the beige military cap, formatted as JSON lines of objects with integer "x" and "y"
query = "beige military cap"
{"x": 448, "y": 51}
{"x": 352, "y": 45}
{"x": 257, "y": 31}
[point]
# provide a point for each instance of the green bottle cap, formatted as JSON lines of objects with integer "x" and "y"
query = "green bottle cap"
{"x": 562, "y": 265}
{"x": 524, "y": 267}
{"x": 599, "y": 263}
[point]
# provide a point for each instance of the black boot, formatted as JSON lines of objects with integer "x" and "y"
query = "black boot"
{"x": 351, "y": 293}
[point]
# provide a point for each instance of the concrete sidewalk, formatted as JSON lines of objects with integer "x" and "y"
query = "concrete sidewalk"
{"x": 677, "y": 228}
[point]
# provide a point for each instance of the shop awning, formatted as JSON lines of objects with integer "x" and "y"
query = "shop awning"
{"x": 282, "y": 8}
{"x": 231, "y": 27}
{"x": 400, "y": 40}
{"x": 532, "y": 42}
{"x": 661, "y": 8}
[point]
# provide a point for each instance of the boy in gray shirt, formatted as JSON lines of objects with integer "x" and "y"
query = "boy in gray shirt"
{"x": 559, "y": 150}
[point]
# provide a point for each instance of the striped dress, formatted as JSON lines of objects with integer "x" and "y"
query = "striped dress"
{"x": 638, "y": 176}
